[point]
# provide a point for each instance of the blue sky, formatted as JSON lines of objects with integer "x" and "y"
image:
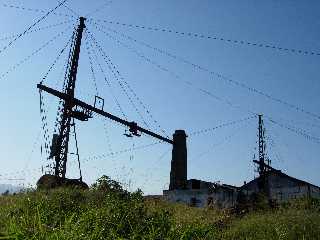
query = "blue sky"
{"x": 173, "y": 95}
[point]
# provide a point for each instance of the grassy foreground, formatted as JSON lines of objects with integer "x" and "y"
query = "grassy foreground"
{"x": 107, "y": 214}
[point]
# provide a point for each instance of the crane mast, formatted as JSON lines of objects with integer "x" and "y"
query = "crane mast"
{"x": 59, "y": 150}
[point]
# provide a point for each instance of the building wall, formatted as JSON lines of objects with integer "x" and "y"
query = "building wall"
{"x": 196, "y": 198}
{"x": 223, "y": 198}
{"x": 282, "y": 188}
{"x": 220, "y": 198}
{"x": 314, "y": 192}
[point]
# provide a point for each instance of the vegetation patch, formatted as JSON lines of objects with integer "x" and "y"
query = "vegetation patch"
{"x": 107, "y": 211}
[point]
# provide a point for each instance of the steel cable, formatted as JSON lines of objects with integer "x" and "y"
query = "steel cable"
{"x": 31, "y": 26}
{"x": 218, "y": 38}
{"x": 218, "y": 75}
{"x": 15, "y": 66}
{"x": 119, "y": 78}
{"x": 36, "y": 30}
{"x": 108, "y": 83}
{"x": 34, "y": 10}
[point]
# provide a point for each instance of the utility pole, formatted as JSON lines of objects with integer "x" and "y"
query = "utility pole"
{"x": 59, "y": 150}
{"x": 263, "y": 162}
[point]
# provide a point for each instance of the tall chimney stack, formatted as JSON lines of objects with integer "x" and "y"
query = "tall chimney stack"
{"x": 178, "y": 173}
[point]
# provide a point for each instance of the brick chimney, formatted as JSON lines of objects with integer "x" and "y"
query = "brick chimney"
{"x": 178, "y": 173}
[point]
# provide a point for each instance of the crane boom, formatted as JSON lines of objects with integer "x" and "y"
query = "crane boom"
{"x": 76, "y": 102}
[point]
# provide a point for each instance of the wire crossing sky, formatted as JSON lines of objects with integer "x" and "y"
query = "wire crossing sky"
{"x": 207, "y": 67}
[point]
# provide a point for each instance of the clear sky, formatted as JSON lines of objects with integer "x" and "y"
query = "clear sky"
{"x": 170, "y": 89}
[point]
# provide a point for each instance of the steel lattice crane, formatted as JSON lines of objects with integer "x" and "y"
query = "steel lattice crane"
{"x": 73, "y": 108}
{"x": 60, "y": 141}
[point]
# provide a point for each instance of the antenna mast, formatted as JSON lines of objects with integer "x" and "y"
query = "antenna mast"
{"x": 263, "y": 162}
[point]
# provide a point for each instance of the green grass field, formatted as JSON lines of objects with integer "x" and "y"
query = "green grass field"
{"x": 101, "y": 213}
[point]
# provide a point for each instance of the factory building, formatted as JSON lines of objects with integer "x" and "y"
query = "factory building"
{"x": 194, "y": 192}
{"x": 276, "y": 185}
{"x": 279, "y": 187}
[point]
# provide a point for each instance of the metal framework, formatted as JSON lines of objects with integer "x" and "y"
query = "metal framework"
{"x": 264, "y": 161}
{"x": 75, "y": 109}
{"x": 59, "y": 150}
{"x": 76, "y": 103}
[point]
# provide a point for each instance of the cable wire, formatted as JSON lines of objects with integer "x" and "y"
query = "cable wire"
{"x": 108, "y": 82}
{"x": 36, "y": 30}
{"x": 218, "y": 38}
{"x": 34, "y": 10}
{"x": 119, "y": 78}
{"x": 15, "y": 66}
{"x": 225, "y": 140}
{"x": 295, "y": 130}
{"x": 218, "y": 75}
{"x": 31, "y": 26}
{"x": 56, "y": 60}
{"x": 208, "y": 93}
{"x": 231, "y": 123}
{"x": 97, "y": 157}
{"x": 98, "y": 9}
{"x": 174, "y": 75}
{"x": 93, "y": 75}
{"x": 150, "y": 115}
{"x": 74, "y": 13}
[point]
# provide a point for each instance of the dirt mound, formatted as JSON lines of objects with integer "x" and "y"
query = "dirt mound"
{"x": 50, "y": 181}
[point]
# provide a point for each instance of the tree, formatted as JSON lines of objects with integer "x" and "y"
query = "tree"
{"x": 106, "y": 184}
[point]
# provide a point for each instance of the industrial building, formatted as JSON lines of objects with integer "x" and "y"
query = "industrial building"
{"x": 280, "y": 187}
{"x": 194, "y": 192}
{"x": 276, "y": 185}
{"x": 201, "y": 194}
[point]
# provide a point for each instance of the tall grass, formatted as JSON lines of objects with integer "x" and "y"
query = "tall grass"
{"x": 107, "y": 214}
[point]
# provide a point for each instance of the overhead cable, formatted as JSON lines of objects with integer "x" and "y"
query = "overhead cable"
{"x": 56, "y": 60}
{"x": 97, "y": 157}
{"x": 220, "y": 76}
{"x": 93, "y": 75}
{"x": 70, "y": 10}
{"x": 295, "y": 130}
{"x": 36, "y": 30}
{"x": 225, "y": 140}
{"x": 208, "y": 93}
{"x": 31, "y": 26}
{"x": 15, "y": 66}
{"x": 195, "y": 133}
{"x": 34, "y": 10}
{"x": 98, "y": 9}
{"x": 119, "y": 79}
{"x": 147, "y": 111}
{"x": 107, "y": 81}
{"x": 173, "y": 74}
{"x": 218, "y": 38}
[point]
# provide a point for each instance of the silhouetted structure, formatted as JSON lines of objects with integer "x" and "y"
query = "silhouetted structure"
{"x": 72, "y": 109}
{"x": 178, "y": 173}
{"x": 279, "y": 187}
{"x": 276, "y": 186}
{"x": 194, "y": 192}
